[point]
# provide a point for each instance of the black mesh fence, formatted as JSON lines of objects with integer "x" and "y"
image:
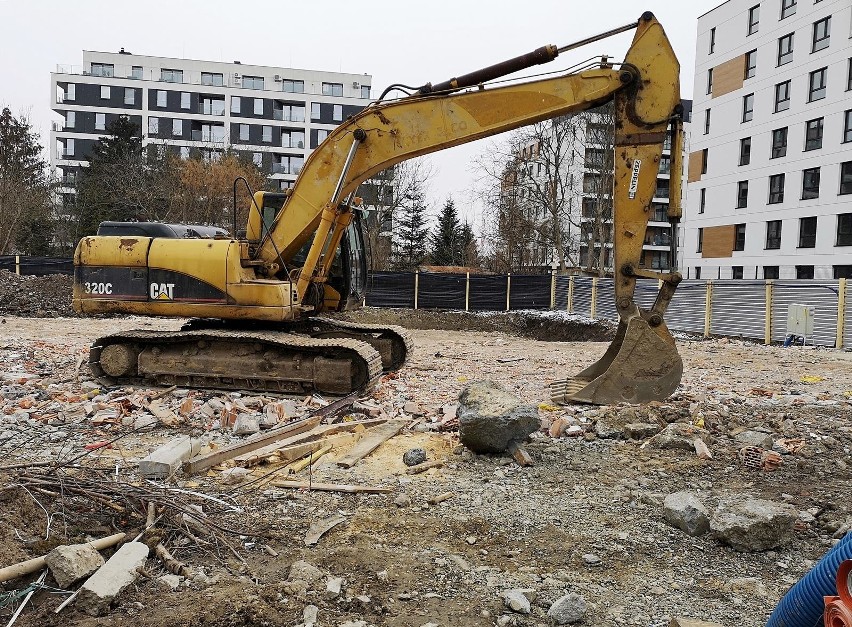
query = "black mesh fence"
{"x": 530, "y": 291}
{"x": 390, "y": 289}
{"x": 36, "y": 266}
{"x": 441, "y": 291}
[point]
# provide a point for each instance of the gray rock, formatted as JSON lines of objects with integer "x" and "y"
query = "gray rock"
{"x": 246, "y": 424}
{"x": 403, "y": 500}
{"x": 641, "y": 430}
{"x": 685, "y": 511}
{"x": 170, "y": 581}
{"x": 122, "y": 569}
{"x": 678, "y": 435}
{"x": 490, "y": 418}
{"x": 309, "y": 614}
{"x": 516, "y": 601}
{"x": 608, "y": 428}
{"x": 568, "y": 609}
{"x": 748, "y": 524}
{"x": 591, "y": 559}
{"x": 69, "y": 564}
{"x": 414, "y": 456}
{"x": 306, "y": 572}
{"x": 755, "y": 438}
{"x": 333, "y": 587}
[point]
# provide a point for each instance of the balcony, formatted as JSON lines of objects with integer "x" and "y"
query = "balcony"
{"x": 285, "y": 168}
{"x": 215, "y": 107}
{"x": 207, "y": 136}
{"x": 285, "y": 115}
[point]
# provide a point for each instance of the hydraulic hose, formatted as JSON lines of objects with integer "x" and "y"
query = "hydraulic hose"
{"x": 803, "y": 605}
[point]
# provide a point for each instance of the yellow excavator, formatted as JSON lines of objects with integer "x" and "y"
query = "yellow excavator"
{"x": 256, "y": 301}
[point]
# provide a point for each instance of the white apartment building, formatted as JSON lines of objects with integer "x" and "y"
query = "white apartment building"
{"x": 769, "y": 190}
{"x": 198, "y": 108}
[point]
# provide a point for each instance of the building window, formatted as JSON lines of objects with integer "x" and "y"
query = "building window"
{"x": 844, "y": 229}
{"x": 185, "y": 100}
{"x": 776, "y": 189}
{"x": 847, "y": 126}
{"x": 321, "y": 135}
{"x": 267, "y": 134}
{"x": 293, "y": 139}
{"x": 171, "y": 76}
{"x": 365, "y": 92}
{"x": 712, "y": 40}
{"x": 706, "y": 121}
{"x": 736, "y": 272}
{"x": 702, "y": 200}
{"x": 807, "y": 232}
{"x": 332, "y": 89}
{"x": 136, "y": 72}
{"x": 770, "y": 272}
{"x": 293, "y": 113}
{"x": 153, "y": 126}
{"x": 252, "y": 82}
{"x": 739, "y": 236}
{"x": 71, "y": 90}
{"x": 697, "y": 272}
{"x": 804, "y": 272}
{"x": 779, "y": 143}
{"x": 177, "y": 128}
{"x": 817, "y": 84}
{"x": 848, "y": 79}
{"x": 184, "y": 152}
{"x": 315, "y": 111}
{"x": 161, "y": 98}
{"x": 212, "y": 78}
{"x": 104, "y": 92}
{"x": 244, "y": 132}
{"x": 810, "y": 183}
{"x": 100, "y": 121}
{"x": 822, "y": 34}
{"x": 785, "y": 49}
{"x": 773, "y": 234}
{"x": 700, "y": 240}
{"x": 235, "y": 104}
{"x": 782, "y": 96}
{"x": 748, "y": 107}
{"x": 846, "y": 177}
{"x": 788, "y": 8}
{"x": 704, "y": 156}
{"x": 293, "y": 87}
{"x": 337, "y": 113}
{"x": 257, "y": 158}
{"x": 69, "y": 147}
{"x": 710, "y": 81}
{"x": 745, "y": 151}
{"x": 750, "y": 63}
{"x": 103, "y": 69}
{"x": 258, "y": 106}
{"x": 843, "y": 272}
{"x": 813, "y": 134}
{"x": 70, "y": 119}
{"x": 742, "y": 194}
{"x": 753, "y": 19}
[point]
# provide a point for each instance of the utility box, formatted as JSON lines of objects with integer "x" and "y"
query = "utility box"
{"x": 800, "y": 320}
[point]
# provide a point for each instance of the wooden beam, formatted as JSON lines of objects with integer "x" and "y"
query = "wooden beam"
{"x": 330, "y": 487}
{"x": 371, "y": 441}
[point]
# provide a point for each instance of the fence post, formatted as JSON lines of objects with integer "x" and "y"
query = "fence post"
{"x": 767, "y": 324}
{"x": 467, "y": 292}
{"x": 508, "y": 289}
{"x": 416, "y": 286}
{"x": 18, "y": 265}
{"x": 570, "y": 306}
{"x": 708, "y": 308}
{"x": 594, "y": 306}
{"x": 552, "y": 288}
{"x": 841, "y": 312}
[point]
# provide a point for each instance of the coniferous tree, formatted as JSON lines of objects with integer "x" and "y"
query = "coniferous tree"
{"x": 412, "y": 231}
{"x": 469, "y": 249}
{"x": 446, "y": 242}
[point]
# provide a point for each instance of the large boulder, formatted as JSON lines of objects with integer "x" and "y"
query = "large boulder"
{"x": 490, "y": 418}
{"x": 749, "y": 524}
{"x": 685, "y": 511}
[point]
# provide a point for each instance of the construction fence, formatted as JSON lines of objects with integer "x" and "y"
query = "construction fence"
{"x": 754, "y": 310}
{"x": 26, "y": 265}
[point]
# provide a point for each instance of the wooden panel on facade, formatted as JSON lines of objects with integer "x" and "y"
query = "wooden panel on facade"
{"x": 693, "y": 171}
{"x": 728, "y": 76}
{"x": 718, "y": 241}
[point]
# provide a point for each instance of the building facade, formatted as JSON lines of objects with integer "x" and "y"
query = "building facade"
{"x": 769, "y": 191}
{"x": 276, "y": 116}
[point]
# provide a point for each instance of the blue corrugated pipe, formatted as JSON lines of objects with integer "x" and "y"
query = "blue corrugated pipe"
{"x": 803, "y": 604}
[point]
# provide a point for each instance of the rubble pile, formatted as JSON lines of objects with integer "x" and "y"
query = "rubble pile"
{"x": 170, "y": 506}
{"x": 35, "y": 296}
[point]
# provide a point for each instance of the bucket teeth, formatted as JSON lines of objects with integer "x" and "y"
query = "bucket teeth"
{"x": 562, "y": 391}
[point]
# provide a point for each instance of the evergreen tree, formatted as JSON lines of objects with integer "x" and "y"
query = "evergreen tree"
{"x": 446, "y": 243}
{"x": 412, "y": 231}
{"x": 25, "y": 189}
{"x": 469, "y": 249}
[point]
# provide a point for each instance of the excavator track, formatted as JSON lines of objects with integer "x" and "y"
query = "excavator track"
{"x": 245, "y": 360}
{"x": 394, "y": 343}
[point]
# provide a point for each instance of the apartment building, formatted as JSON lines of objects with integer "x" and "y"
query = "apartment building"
{"x": 769, "y": 191}
{"x": 274, "y": 115}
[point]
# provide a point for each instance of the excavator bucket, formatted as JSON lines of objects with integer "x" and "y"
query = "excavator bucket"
{"x": 640, "y": 365}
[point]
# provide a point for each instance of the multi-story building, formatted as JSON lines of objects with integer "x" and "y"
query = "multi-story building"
{"x": 276, "y": 115}
{"x": 770, "y": 168}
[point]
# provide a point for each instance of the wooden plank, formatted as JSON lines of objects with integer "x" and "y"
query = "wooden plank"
{"x": 330, "y": 487}
{"x": 434, "y": 500}
{"x": 371, "y": 441}
{"x": 728, "y": 76}
{"x": 418, "y": 468}
{"x": 718, "y": 241}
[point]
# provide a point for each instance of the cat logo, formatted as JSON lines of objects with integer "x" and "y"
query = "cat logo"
{"x": 162, "y": 291}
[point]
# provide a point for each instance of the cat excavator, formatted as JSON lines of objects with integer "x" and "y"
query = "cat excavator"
{"x": 256, "y": 302}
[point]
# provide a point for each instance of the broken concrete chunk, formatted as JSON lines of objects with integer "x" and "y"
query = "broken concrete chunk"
{"x": 678, "y": 435}
{"x": 246, "y": 424}
{"x": 641, "y": 430}
{"x": 685, "y": 511}
{"x": 167, "y": 459}
{"x": 755, "y": 438}
{"x": 234, "y": 475}
{"x": 748, "y": 524}
{"x": 333, "y": 587}
{"x": 305, "y": 571}
{"x": 568, "y": 609}
{"x": 490, "y": 418}
{"x": 516, "y": 601}
{"x": 120, "y": 571}
{"x": 69, "y": 564}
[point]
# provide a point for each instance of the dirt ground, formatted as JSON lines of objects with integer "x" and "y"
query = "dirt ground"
{"x": 405, "y": 562}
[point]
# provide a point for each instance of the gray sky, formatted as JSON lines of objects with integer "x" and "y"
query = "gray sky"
{"x": 394, "y": 40}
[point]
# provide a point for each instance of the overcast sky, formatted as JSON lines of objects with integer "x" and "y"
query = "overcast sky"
{"x": 393, "y": 40}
